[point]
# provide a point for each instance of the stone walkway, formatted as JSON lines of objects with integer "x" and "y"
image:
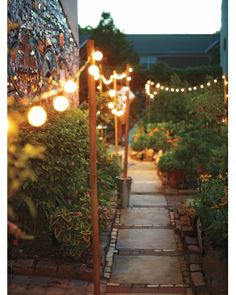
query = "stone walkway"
{"x": 145, "y": 254}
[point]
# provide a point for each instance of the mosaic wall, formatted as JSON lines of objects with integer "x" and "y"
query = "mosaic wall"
{"x": 41, "y": 47}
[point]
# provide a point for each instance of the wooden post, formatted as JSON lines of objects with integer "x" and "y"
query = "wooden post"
{"x": 93, "y": 172}
{"x": 126, "y": 124}
{"x": 115, "y": 116}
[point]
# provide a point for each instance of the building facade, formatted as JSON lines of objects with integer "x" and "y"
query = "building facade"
{"x": 176, "y": 50}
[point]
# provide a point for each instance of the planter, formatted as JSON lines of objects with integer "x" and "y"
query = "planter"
{"x": 175, "y": 178}
{"x": 123, "y": 190}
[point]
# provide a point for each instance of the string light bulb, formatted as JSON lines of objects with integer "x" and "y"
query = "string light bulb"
{"x": 37, "y": 116}
{"x": 93, "y": 70}
{"x": 97, "y": 55}
{"x": 114, "y": 111}
{"x": 112, "y": 92}
{"x": 111, "y": 105}
{"x": 60, "y": 103}
{"x": 70, "y": 86}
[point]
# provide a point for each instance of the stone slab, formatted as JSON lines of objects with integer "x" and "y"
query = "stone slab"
{"x": 146, "y": 239}
{"x": 146, "y": 270}
{"x": 142, "y": 187}
{"x": 147, "y": 200}
{"x": 158, "y": 216}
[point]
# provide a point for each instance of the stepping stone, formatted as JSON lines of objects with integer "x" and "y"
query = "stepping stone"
{"x": 198, "y": 279}
{"x": 147, "y": 200}
{"x": 158, "y": 216}
{"x": 146, "y": 239}
{"x": 146, "y": 270}
{"x": 195, "y": 267}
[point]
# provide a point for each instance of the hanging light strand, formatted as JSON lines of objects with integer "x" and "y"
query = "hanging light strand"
{"x": 150, "y": 85}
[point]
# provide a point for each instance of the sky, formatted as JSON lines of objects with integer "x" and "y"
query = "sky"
{"x": 154, "y": 16}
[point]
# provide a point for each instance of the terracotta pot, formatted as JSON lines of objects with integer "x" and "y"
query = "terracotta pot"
{"x": 175, "y": 178}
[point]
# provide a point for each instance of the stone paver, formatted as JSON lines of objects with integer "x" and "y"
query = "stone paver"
{"x": 147, "y": 200}
{"x": 146, "y": 270}
{"x": 157, "y": 216}
{"x": 140, "y": 187}
{"x": 146, "y": 239}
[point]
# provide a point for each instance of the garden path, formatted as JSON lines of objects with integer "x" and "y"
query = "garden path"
{"x": 148, "y": 256}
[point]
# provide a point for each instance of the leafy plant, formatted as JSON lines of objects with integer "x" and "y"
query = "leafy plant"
{"x": 212, "y": 206}
{"x": 62, "y": 179}
{"x": 168, "y": 162}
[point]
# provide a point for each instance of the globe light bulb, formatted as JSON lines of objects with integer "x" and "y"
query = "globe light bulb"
{"x": 114, "y": 111}
{"x": 97, "y": 55}
{"x": 120, "y": 113}
{"x": 70, "y": 86}
{"x": 111, "y": 105}
{"x": 112, "y": 93}
{"x": 93, "y": 70}
{"x": 37, "y": 116}
{"x": 60, "y": 103}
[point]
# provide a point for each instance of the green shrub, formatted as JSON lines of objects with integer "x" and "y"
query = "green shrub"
{"x": 62, "y": 178}
{"x": 141, "y": 143}
{"x": 212, "y": 206}
{"x": 168, "y": 162}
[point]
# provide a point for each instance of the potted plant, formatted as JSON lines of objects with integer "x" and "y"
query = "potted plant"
{"x": 170, "y": 165}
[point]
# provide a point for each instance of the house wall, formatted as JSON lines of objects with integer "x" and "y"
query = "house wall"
{"x": 179, "y": 61}
{"x": 41, "y": 46}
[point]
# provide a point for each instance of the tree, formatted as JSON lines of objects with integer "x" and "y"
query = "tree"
{"x": 112, "y": 42}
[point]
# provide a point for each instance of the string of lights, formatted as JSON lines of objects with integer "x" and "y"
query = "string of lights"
{"x": 152, "y": 88}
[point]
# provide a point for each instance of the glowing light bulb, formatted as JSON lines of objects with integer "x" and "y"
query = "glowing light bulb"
{"x": 177, "y": 90}
{"x": 158, "y": 85}
{"x": 112, "y": 93}
{"x": 194, "y": 88}
{"x": 190, "y": 89}
{"x": 120, "y": 113}
{"x": 130, "y": 70}
{"x": 162, "y": 87}
{"x": 172, "y": 90}
{"x": 114, "y": 111}
{"x": 98, "y": 113}
{"x": 129, "y": 79}
{"x": 96, "y": 77}
{"x": 215, "y": 81}
{"x": 166, "y": 89}
{"x": 99, "y": 127}
{"x": 37, "y": 116}
{"x": 93, "y": 70}
{"x": 208, "y": 84}
{"x": 97, "y": 55}
{"x": 201, "y": 86}
{"x": 60, "y": 103}
{"x": 70, "y": 86}
{"x": 182, "y": 89}
{"x": 111, "y": 105}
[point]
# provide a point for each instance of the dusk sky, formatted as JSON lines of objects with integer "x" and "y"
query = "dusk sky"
{"x": 154, "y": 16}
